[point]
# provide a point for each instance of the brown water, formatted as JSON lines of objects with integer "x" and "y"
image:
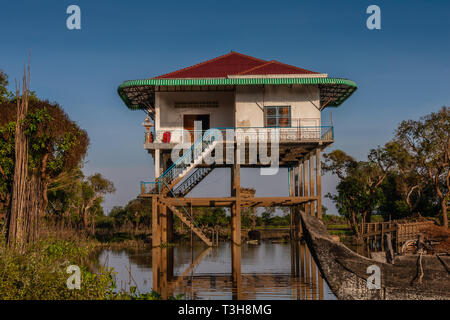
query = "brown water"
{"x": 266, "y": 271}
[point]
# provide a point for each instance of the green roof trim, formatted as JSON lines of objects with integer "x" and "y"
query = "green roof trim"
{"x": 339, "y": 89}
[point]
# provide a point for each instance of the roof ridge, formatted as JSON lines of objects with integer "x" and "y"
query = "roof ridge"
{"x": 257, "y": 67}
{"x": 274, "y": 62}
{"x": 209, "y": 61}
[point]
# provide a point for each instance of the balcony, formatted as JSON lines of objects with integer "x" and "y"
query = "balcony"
{"x": 170, "y": 137}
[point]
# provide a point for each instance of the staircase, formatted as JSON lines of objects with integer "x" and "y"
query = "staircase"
{"x": 189, "y": 183}
{"x": 176, "y": 172}
{"x": 189, "y": 223}
{"x": 189, "y": 160}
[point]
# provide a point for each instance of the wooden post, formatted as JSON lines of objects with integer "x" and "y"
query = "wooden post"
{"x": 307, "y": 271}
{"x": 236, "y": 253}
{"x": 236, "y": 207}
{"x": 156, "y": 268}
{"x": 169, "y": 218}
{"x": 306, "y": 188}
{"x": 319, "y": 183}
{"x": 301, "y": 191}
{"x": 320, "y": 286}
{"x": 292, "y": 210}
{"x": 302, "y": 260}
{"x": 163, "y": 219}
{"x": 156, "y": 236}
{"x": 311, "y": 183}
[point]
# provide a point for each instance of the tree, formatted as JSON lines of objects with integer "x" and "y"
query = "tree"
{"x": 360, "y": 181}
{"x": 92, "y": 191}
{"x": 4, "y": 93}
{"x": 427, "y": 140}
{"x": 266, "y": 215}
{"x": 39, "y": 143}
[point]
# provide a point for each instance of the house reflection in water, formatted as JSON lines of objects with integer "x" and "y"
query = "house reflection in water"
{"x": 303, "y": 282}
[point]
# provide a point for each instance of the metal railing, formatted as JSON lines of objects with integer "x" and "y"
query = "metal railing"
{"x": 188, "y": 158}
{"x": 191, "y": 181}
{"x": 240, "y": 134}
{"x": 286, "y": 134}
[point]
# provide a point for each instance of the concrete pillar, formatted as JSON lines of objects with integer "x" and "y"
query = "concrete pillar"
{"x": 157, "y": 163}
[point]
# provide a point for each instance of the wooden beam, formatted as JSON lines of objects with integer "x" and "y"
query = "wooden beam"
{"x": 245, "y": 201}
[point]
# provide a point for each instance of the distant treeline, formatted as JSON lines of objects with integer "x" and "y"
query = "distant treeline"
{"x": 406, "y": 178}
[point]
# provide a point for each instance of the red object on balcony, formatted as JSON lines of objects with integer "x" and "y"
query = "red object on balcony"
{"x": 166, "y": 137}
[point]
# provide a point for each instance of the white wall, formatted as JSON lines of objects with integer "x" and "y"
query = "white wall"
{"x": 250, "y": 100}
{"x": 172, "y": 117}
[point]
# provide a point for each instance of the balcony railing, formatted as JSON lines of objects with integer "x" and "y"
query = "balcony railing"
{"x": 251, "y": 134}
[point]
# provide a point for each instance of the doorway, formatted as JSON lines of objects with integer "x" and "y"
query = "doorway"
{"x": 189, "y": 124}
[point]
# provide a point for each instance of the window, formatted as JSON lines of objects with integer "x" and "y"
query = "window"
{"x": 277, "y": 116}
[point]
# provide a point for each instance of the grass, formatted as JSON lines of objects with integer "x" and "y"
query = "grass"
{"x": 40, "y": 273}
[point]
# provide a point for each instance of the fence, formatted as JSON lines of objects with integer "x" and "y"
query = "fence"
{"x": 372, "y": 234}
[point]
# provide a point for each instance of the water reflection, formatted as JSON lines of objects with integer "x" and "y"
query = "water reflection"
{"x": 264, "y": 271}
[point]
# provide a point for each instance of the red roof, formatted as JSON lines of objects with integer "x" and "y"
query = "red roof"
{"x": 275, "y": 67}
{"x": 234, "y": 63}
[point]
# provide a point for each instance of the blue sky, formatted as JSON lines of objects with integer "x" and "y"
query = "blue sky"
{"x": 402, "y": 70}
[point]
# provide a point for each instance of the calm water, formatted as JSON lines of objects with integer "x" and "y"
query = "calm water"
{"x": 267, "y": 271}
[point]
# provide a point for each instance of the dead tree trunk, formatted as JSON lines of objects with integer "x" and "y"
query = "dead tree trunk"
{"x": 17, "y": 220}
{"x": 29, "y": 188}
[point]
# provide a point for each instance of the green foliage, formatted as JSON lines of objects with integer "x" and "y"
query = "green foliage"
{"x": 56, "y": 144}
{"x": 405, "y": 177}
{"x": 135, "y": 213}
{"x": 40, "y": 274}
{"x": 211, "y": 217}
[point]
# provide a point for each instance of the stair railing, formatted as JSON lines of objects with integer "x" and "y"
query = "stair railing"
{"x": 200, "y": 173}
{"x": 187, "y": 158}
{"x": 191, "y": 218}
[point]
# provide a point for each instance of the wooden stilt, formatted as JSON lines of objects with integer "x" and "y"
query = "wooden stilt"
{"x": 236, "y": 207}
{"x": 163, "y": 220}
{"x": 169, "y": 217}
{"x": 297, "y": 226}
{"x": 156, "y": 237}
{"x": 306, "y": 188}
{"x": 319, "y": 183}
{"x": 236, "y": 254}
{"x": 314, "y": 280}
{"x": 292, "y": 209}
{"x": 311, "y": 184}
{"x": 156, "y": 267}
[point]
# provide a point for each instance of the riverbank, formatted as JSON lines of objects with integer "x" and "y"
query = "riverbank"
{"x": 40, "y": 272}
